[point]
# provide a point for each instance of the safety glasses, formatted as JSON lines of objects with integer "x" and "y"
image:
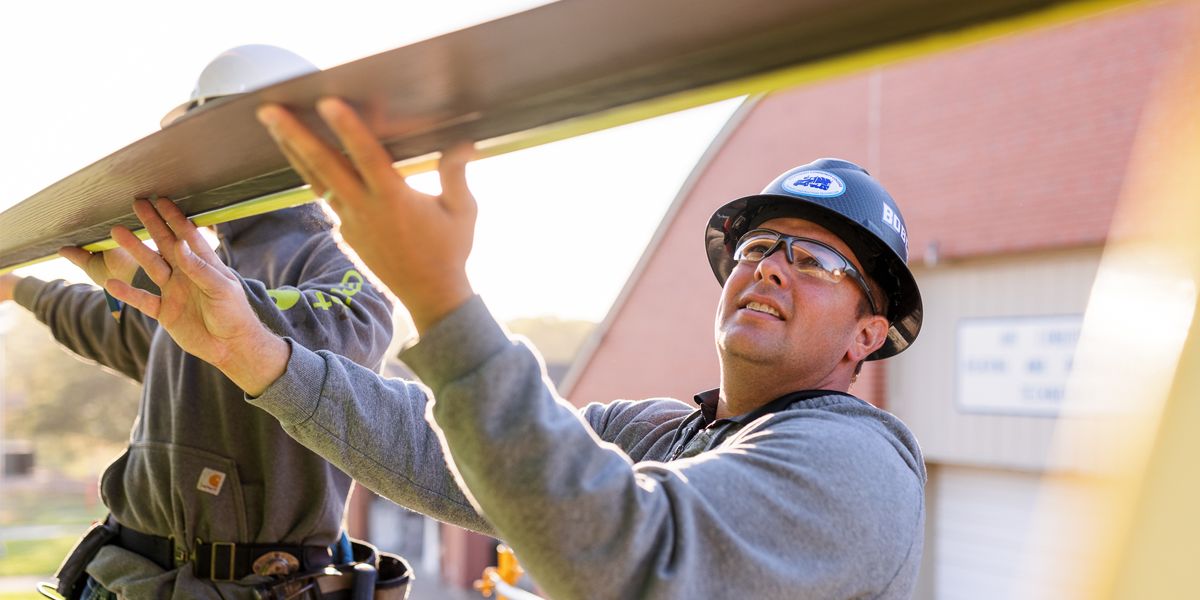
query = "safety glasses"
{"x": 807, "y": 256}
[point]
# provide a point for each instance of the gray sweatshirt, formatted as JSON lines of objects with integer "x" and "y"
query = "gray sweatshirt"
{"x": 819, "y": 496}
{"x": 201, "y": 463}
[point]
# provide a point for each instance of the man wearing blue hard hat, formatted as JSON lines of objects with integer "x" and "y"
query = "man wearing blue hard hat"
{"x": 778, "y": 485}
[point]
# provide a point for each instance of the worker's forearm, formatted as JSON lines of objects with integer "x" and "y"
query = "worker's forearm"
{"x": 373, "y": 428}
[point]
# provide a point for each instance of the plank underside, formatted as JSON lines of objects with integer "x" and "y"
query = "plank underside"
{"x": 544, "y": 66}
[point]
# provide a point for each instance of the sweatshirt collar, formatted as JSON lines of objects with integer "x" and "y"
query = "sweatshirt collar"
{"x": 273, "y": 221}
{"x": 708, "y": 404}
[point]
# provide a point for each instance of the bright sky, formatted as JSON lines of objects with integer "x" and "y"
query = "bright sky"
{"x": 84, "y": 79}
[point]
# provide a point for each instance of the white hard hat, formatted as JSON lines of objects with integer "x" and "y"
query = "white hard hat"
{"x": 241, "y": 70}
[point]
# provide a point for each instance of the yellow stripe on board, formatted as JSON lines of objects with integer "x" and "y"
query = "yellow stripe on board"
{"x": 767, "y": 82}
{"x": 241, "y": 210}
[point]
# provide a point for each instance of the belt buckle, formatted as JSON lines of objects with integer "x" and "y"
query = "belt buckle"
{"x": 179, "y": 554}
{"x": 212, "y": 575}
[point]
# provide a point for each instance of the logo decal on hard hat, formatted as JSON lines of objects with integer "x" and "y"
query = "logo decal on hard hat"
{"x": 815, "y": 183}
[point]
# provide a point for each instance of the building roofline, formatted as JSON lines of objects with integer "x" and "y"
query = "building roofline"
{"x": 579, "y": 365}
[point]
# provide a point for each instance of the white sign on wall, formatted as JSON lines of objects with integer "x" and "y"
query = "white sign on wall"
{"x": 1015, "y": 365}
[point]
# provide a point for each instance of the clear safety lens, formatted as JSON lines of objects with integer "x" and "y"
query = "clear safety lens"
{"x": 809, "y": 257}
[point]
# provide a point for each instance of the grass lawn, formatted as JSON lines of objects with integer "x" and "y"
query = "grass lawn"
{"x": 31, "y": 595}
{"x": 33, "y": 557}
{"x": 23, "y": 595}
{"x": 40, "y": 508}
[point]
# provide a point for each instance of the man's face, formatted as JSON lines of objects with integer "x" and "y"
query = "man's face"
{"x": 772, "y": 314}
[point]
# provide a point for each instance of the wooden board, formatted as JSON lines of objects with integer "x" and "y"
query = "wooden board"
{"x": 495, "y": 81}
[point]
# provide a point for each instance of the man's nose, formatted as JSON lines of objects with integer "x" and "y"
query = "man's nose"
{"x": 775, "y": 268}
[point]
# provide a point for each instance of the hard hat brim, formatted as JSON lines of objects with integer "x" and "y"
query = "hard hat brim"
{"x": 194, "y": 107}
{"x": 175, "y": 114}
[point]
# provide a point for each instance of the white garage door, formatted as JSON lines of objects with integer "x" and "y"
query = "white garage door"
{"x": 991, "y": 543}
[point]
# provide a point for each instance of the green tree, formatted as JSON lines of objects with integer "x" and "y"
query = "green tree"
{"x": 558, "y": 341}
{"x": 68, "y": 406}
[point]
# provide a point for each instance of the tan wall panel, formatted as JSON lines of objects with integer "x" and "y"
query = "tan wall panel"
{"x": 921, "y": 381}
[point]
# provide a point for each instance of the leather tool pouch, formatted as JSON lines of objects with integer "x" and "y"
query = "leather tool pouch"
{"x": 394, "y": 577}
{"x": 394, "y": 573}
{"x": 392, "y": 581}
{"x": 72, "y": 575}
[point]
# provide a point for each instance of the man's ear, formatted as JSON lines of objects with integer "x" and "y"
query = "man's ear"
{"x": 872, "y": 333}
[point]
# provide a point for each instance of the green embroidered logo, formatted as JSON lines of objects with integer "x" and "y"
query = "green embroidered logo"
{"x": 284, "y": 299}
{"x": 352, "y": 283}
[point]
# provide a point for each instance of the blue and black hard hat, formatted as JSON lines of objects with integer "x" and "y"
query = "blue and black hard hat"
{"x": 843, "y": 198}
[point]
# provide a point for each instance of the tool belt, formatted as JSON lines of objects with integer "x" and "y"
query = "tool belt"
{"x": 223, "y": 561}
{"x": 297, "y": 570}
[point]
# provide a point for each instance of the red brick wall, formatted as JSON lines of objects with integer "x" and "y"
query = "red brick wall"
{"x": 1014, "y": 145}
{"x": 1023, "y": 143}
{"x": 871, "y": 383}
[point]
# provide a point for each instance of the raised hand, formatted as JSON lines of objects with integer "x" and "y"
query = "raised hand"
{"x": 203, "y": 305}
{"x": 415, "y": 243}
{"x": 102, "y": 266}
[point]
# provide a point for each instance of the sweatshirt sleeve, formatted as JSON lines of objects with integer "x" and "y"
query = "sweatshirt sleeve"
{"x": 330, "y": 307}
{"x": 371, "y": 427}
{"x": 813, "y": 507}
{"x": 79, "y": 319}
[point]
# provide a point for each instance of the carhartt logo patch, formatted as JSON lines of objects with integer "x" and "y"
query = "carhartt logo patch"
{"x": 211, "y": 481}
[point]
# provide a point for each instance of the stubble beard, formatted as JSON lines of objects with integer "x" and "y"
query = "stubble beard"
{"x": 739, "y": 344}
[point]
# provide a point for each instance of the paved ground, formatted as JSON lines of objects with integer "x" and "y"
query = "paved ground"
{"x": 22, "y": 584}
{"x": 426, "y": 587}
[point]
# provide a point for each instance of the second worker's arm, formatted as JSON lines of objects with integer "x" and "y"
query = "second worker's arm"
{"x": 79, "y": 316}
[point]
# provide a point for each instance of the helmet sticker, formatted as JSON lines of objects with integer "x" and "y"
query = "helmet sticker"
{"x": 814, "y": 183}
